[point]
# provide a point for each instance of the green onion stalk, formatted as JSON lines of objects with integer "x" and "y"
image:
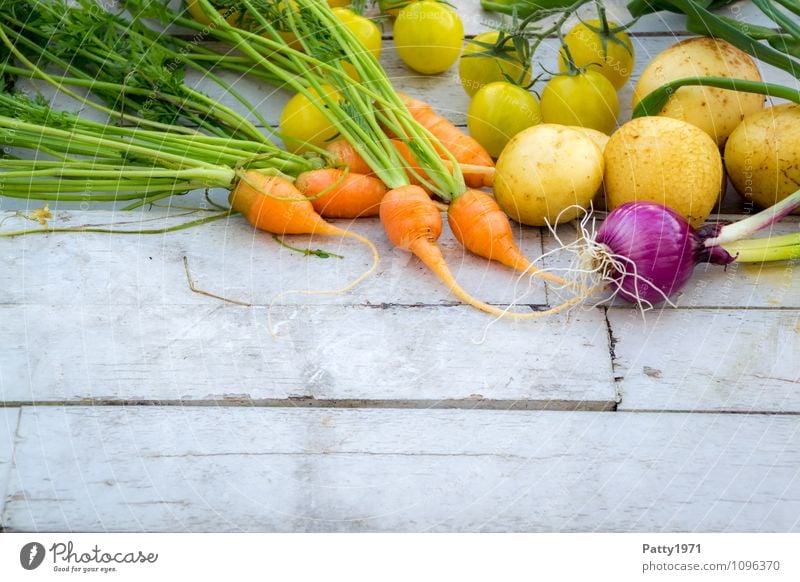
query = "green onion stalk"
{"x": 361, "y": 110}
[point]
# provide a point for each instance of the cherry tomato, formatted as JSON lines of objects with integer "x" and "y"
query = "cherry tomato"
{"x": 584, "y": 98}
{"x": 302, "y": 123}
{"x": 364, "y": 29}
{"x": 614, "y": 60}
{"x": 428, "y": 36}
{"x": 498, "y": 112}
{"x": 475, "y": 72}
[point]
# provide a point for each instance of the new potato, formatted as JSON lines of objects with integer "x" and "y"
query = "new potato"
{"x": 762, "y": 155}
{"x": 715, "y": 111}
{"x": 664, "y": 160}
{"x": 547, "y": 169}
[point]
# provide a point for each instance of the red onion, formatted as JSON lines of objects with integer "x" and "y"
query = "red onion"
{"x": 655, "y": 250}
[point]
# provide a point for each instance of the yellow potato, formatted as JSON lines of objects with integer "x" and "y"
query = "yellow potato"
{"x": 664, "y": 160}
{"x": 715, "y": 111}
{"x": 762, "y": 155}
{"x": 547, "y": 169}
{"x": 600, "y": 139}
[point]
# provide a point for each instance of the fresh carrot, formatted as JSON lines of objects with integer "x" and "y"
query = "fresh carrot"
{"x": 465, "y": 149}
{"x": 274, "y": 204}
{"x": 413, "y": 170}
{"x": 483, "y": 228}
{"x": 344, "y": 154}
{"x": 337, "y": 193}
{"x": 413, "y": 223}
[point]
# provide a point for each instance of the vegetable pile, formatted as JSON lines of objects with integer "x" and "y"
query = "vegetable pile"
{"x": 349, "y": 145}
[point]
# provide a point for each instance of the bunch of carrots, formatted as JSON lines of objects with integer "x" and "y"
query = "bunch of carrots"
{"x": 393, "y": 156}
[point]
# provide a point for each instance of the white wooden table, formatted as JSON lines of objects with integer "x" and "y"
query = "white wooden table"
{"x": 132, "y": 403}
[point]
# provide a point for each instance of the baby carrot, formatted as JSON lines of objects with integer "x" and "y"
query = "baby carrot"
{"x": 336, "y": 193}
{"x": 483, "y": 228}
{"x": 344, "y": 154}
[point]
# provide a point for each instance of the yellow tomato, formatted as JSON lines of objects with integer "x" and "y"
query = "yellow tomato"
{"x": 475, "y": 72}
{"x": 302, "y": 123}
{"x": 428, "y": 36}
{"x": 498, "y": 112}
{"x": 364, "y": 29}
{"x": 585, "y": 98}
{"x": 612, "y": 58}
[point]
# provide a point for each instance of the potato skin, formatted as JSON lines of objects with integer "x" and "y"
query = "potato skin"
{"x": 545, "y": 170}
{"x": 715, "y": 111}
{"x": 762, "y": 155}
{"x": 664, "y": 160}
{"x": 600, "y": 139}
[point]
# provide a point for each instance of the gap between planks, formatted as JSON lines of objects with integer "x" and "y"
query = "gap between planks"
{"x": 302, "y": 402}
{"x": 312, "y": 403}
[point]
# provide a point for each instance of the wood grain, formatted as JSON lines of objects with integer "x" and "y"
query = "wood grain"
{"x": 703, "y": 359}
{"x": 9, "y": 418}
{"x": 384, "y": 355}
{"x": 198, "y": 469}
{"x": 231, "y": 259}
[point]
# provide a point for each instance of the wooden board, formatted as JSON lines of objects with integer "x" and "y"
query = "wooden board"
{"x": 9, "y": 418}
{"x": 199, "y": 469}
{"x": 231, "y": 259}
{"x": 323, "y": 355}
{"x": 704, "y": 359}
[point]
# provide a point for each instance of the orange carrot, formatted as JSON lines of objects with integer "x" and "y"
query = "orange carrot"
{"x": 274, "y": 204}
{"x": 413, "y": 223}
{"x": 465, "y": 149}
{"x": 483, "y": 228}
{"x": 344, "y": 154}
{"x": 335, "y": 193}
{"x": 411, "y": 163}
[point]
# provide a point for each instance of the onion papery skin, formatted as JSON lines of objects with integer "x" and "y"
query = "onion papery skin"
{"x": 657, "y": 244}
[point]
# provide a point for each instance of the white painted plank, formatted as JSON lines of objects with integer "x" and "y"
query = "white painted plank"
{"x": 9, "y": 418}
{"x": 702, "y": 359}
{"x": 770, "y": 285}
{"x": 424, "y": 356}
{"x": 221, "y": 469}
{"x": 232, "y": 259}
